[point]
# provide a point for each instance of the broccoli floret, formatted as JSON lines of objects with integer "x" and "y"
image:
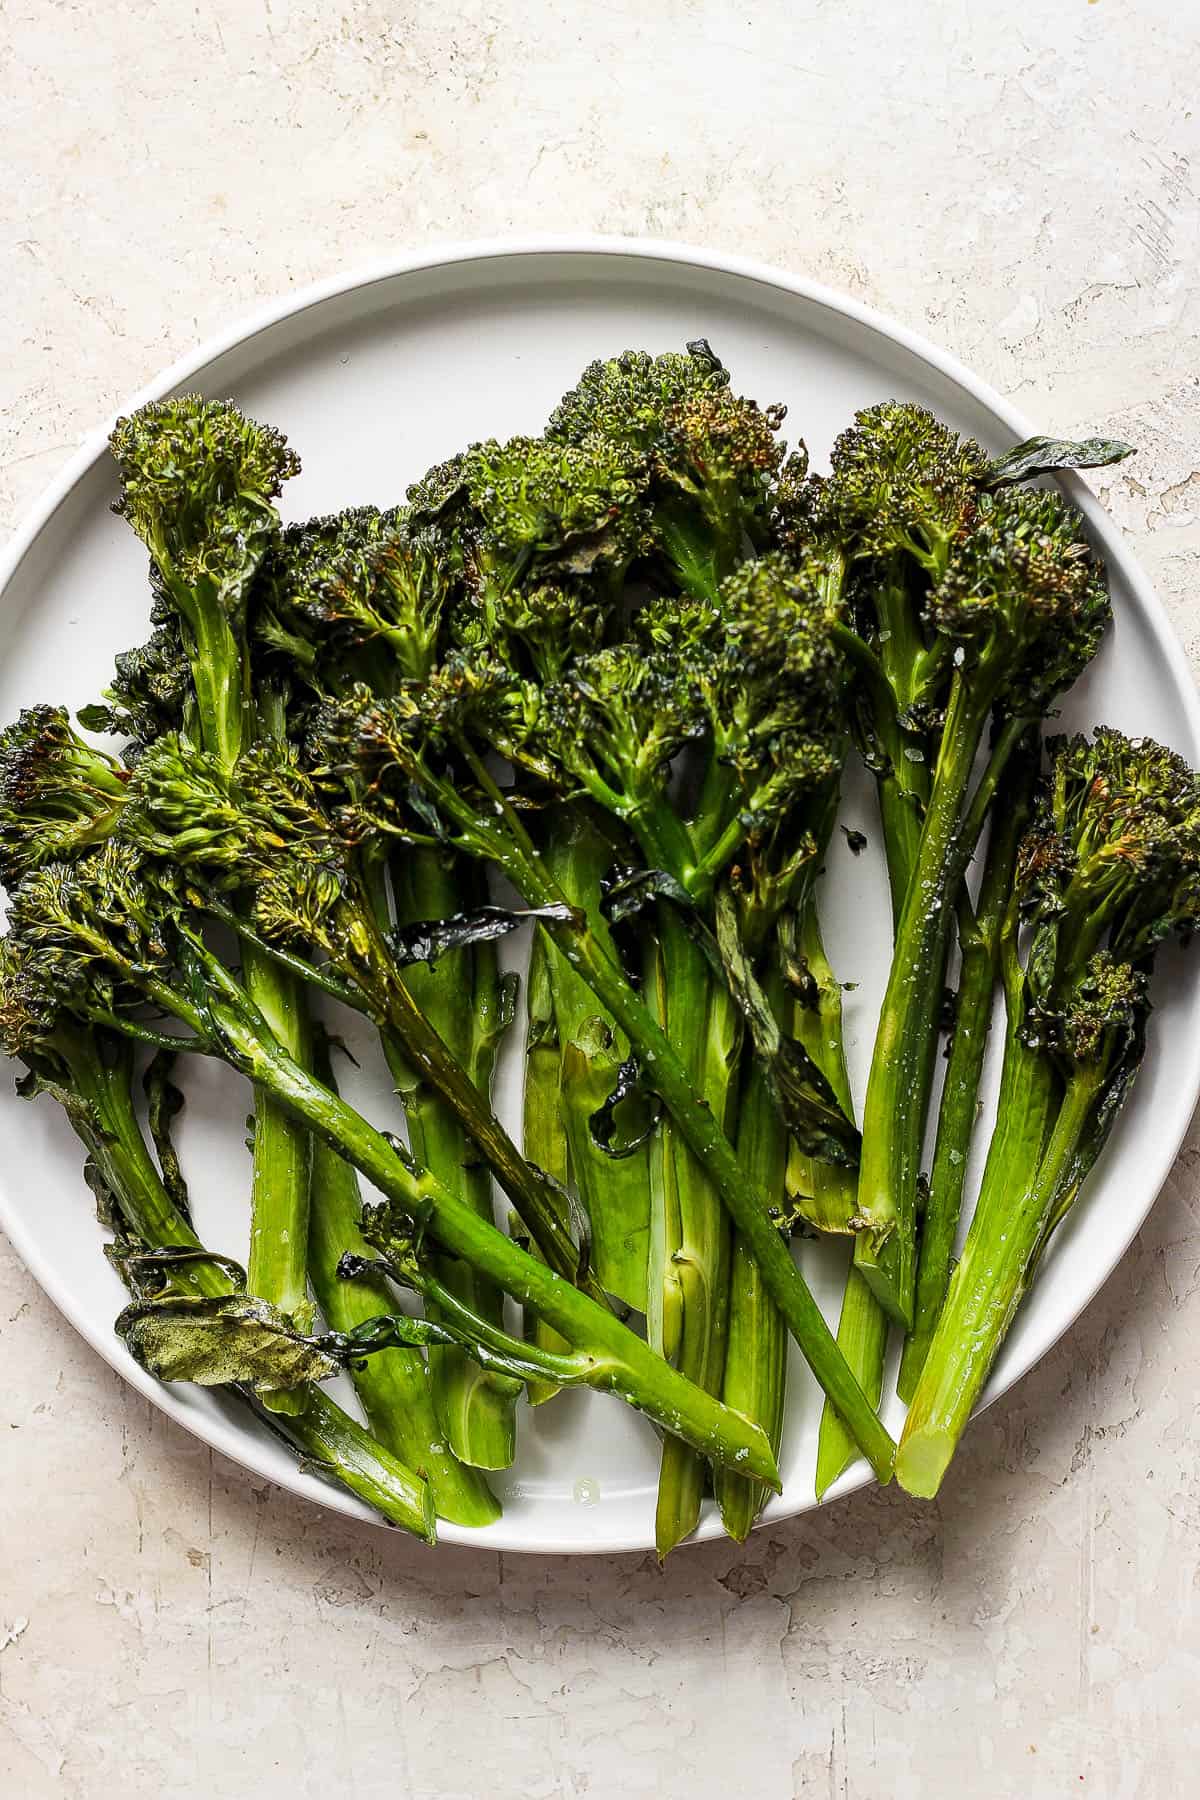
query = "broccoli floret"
{"x": 546, "y": 508}
{"x": 902, "y": 481}
{"x": 197, "y": 482}
{"x": 1107, "y": 1008}
{"x": 58, "y": 793}
{"x": 710, "y": 456}
{"x": 1023, "y": 598}
{"x": 1112, "y": 860}
{"x": 366, "y": 590}
{"x": 627, "y": 397}
{"x": 89, "y": 934}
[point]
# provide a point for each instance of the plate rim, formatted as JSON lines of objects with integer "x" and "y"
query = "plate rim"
{"x": 213, "y": 1429}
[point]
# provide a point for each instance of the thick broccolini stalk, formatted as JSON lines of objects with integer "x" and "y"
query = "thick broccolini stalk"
{"x": 1110, "y": 868}
{"x": 543, "y": 1139}
{"x": 394, "y": 1386}
{"x": 198, "y": 486}
{"x": 470, "y": 1008}
{"x": 612, "y": 1182}
{"x": 754, "y": 1378}
{"x": 102, "y": 939}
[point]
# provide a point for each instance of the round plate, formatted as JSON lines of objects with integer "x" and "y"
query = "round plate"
{"x": 374, "y": 377}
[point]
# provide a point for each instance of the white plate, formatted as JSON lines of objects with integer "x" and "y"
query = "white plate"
{"x": 374, "y": 377}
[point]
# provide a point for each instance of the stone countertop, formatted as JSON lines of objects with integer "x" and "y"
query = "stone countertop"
{"x": 1018, "y": 183}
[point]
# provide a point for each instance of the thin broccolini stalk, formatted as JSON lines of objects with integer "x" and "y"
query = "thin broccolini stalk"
{"x": 544, "y": 1141}
{"x": 90, "y": 1074}
{"x": 897, "y": 1088}
{"x": 755, "y": 1373}
{"x": 393, "y": 1385}
{"x": 334, "y": 1444}
{"x": 862, "y": 1324}
{"x": 862, "y": 1336}
{"x": 464, "y": 1001}
{"x": 980, "y": 931}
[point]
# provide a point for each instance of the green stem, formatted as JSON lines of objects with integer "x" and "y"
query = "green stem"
{"x": 614, "y": 1192}
{"x": 862, "y": 1336}
{"x": 461, "y": 1000}
{"x": 902, "y": 1063}
{"x": 827, "y": 1193}
{"x": 618, "y": 1361}
{"x": 101, "y": 1073}
{"x": 1020, "y": 1188}
{"x": 755, "y": 1374}
{"x": 337, "y": 1446}
{"x": 393, "y": 1385}
{"x": 277, "y": 1270}
{"x": 277, "y": 1267}
{"x": 691, "y": 1248}
{"x": 979, "y": 938}
{"x": 544, "y": 1140}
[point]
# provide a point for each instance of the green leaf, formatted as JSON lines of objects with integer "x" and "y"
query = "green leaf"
{"x": 636, "y": 888}
{"x": 427, "y": 939}
{"x": 96, "y": 717}
{"x": 603, "y": 1124}
{"x": 802, "y": 1095}
{"x": 233, "y": 1338}
{"x": 1043, "y": 455}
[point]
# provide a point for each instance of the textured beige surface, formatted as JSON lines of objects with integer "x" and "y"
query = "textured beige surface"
{"x": 1014, "y": 180}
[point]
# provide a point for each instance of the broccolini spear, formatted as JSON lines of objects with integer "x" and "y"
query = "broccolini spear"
{"x": 1110, "y": 868}
{"x": 977, "y": 600}
{"x": 198, "y": 485}
{"x": 649, "y": 462}
{"x": 105, "y": 940}
{"x": 395, "y": 1386}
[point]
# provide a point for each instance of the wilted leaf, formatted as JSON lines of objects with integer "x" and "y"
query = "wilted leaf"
{"x": 1042, "y": 455}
